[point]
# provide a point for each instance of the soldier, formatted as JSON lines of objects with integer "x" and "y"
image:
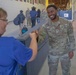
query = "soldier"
{"x": 61, "y": 41}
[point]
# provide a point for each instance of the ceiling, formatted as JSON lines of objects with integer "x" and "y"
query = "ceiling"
{"x": 62, "y": 4}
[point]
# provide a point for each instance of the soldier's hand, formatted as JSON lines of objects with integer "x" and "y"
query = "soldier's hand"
{"x": 71, "y": 54}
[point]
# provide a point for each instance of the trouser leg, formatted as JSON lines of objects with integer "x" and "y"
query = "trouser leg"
{"x": 33, "y": 21}
{"x": 65, "y": 64}
{"x": 28, "y": 21}
{"x": 53, "y": 64}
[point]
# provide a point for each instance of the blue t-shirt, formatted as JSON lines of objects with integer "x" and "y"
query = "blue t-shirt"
{"x": 12, "y": 52}
{"x": 33, "y": 14}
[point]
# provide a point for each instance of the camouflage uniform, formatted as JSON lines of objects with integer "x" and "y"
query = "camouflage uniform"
{"x": 61, "y": 41}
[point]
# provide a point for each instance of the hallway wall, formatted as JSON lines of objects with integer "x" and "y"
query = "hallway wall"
{"x": 13, "y": 7}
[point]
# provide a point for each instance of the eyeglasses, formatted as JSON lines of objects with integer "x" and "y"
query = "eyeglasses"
{"x": 6, "y": 20}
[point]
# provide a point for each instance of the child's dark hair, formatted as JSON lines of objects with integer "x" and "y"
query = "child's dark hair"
{"x": 52, "y": 6}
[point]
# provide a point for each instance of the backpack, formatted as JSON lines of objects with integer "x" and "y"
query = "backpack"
{"x": 19, "y": 19}
{"x": 16, "y": 21}
{"x": 24, "y": 29}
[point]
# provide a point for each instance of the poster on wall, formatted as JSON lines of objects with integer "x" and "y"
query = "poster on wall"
{"x": 66, "y": 14}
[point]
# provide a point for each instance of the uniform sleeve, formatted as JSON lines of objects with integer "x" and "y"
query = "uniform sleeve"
{"x": 21, "y": 53}
{"x": 71, "y": 37}
{"x": 42, "y": 34}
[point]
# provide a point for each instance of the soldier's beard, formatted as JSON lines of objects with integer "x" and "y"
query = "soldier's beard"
{"x": 53, "y": 17}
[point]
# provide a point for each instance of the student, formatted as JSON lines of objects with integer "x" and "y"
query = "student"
{"x": 20, "y": 20}
{"x": 33, "y": 15}
{"x": 12, "y": 51}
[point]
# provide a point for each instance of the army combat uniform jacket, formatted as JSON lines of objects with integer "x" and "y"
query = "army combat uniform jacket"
{"x": 61, "y": 37}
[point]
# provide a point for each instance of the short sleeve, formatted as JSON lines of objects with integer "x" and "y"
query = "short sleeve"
{"x": 21, "y": 53}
